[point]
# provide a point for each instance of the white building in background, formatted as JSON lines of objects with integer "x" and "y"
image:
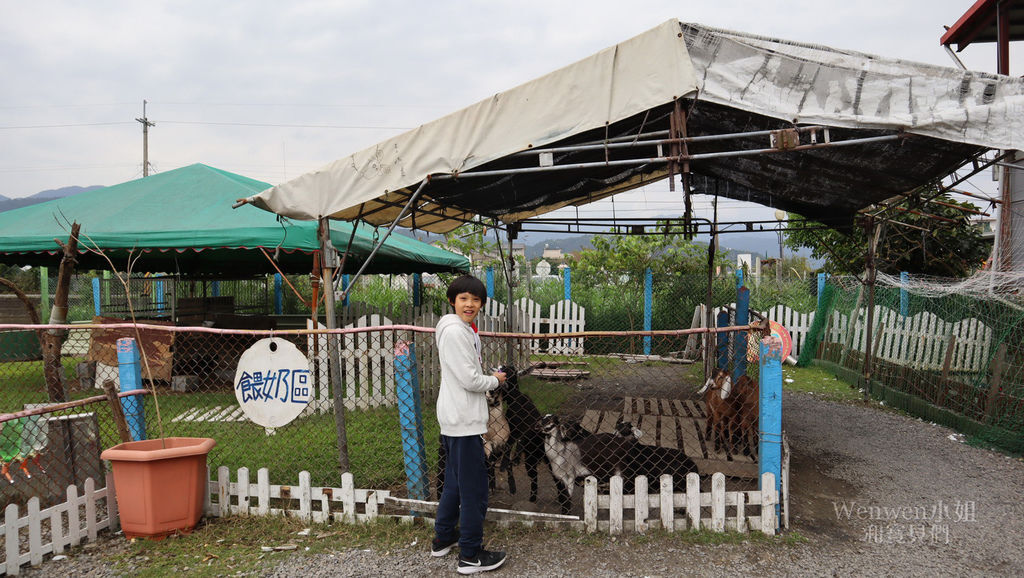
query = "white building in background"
{"x": 552, "y": 254}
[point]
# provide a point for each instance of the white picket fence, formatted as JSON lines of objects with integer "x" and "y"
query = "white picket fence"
{"x": 676, "y": 510}
{"x": 921, "y": 341}
{"x": 81, "y": 517}
{"x": 63, "y": 525}
{"x": 566, "y": 317}
{"x": 317, "y": 504}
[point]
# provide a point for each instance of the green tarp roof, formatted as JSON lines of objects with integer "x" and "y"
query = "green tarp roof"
{"x": 182, "y": 222}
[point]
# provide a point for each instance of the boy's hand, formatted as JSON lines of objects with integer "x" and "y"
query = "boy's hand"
{"x": 500, "y": 375}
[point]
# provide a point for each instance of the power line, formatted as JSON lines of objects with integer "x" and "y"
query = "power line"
{"x": 33, "y": 126}
{"x": 283, "y": 125}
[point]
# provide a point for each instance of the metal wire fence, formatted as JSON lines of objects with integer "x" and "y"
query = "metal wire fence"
{"x": 953, "y": 359}
{"x": 632, "y": 415}
{"x": 628, "y": 403}
{"x": 44, "y": 450}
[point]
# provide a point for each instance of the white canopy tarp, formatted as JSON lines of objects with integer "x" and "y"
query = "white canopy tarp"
{"x": 774, "y": 79}
{"x": 810, "y": 84}
{"x": 617, "y": 82}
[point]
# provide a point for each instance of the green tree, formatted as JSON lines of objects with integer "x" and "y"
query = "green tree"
{"x": 916, "y": 242}
{"x": 609, "y": 278}
{"x": 474, "y": 239}
{"x": 665, "y": 254}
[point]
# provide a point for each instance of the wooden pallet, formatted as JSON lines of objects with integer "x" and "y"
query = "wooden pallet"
{"x": 566, "y": 374}
{"x": 676, "y": 424}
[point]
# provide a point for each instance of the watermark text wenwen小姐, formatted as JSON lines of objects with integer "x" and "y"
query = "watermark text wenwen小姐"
{"x": 908, "y": 524}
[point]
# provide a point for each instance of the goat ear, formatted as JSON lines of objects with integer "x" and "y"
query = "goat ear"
{"x": 726, "y": 387}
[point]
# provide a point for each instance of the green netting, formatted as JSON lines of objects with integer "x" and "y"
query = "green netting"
{"x": 813, "y": 339}
{"x": 955, "y": 359}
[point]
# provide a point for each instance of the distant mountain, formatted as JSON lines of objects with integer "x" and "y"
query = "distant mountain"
{"x": 62, "y": 192}
{"x": 763, "y": 244}
{"x": 570, "y": 244}
{"x": 7, "y": 203}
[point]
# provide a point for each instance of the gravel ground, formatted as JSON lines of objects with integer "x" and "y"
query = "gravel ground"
{"x": 958, "y": 512}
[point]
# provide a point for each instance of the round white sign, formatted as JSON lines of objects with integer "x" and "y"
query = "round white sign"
{"x": 273, "y": 382}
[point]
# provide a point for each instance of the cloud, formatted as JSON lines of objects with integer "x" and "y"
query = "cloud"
{"x": 272, "y": 90}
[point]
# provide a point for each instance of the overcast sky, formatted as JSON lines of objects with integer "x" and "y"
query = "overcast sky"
{"x": 272, "y": 90}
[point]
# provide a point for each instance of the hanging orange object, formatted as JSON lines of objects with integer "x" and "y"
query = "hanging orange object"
{"x": 776, "y": 328}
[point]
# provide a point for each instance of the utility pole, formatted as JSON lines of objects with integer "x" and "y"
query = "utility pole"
{"x": 145, "y": 139}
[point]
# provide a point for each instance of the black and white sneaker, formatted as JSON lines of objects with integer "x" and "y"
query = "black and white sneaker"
{"x": 439, "y": 548}
{"x": 483, "y": 561}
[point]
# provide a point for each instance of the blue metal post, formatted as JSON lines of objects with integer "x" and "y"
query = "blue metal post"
{"x": 417, "y": 290}
{"x": 278, "y": 294}
{"x": 739, "y": 278}
{"x": 723, "y": 340}
{"x": 904, "y": 297}
{"x": 131, "y": 378}
{"x": 490, "y": 282}
{"x": 648, "y": 308}
{"x": 567, "y": 281}
{"x": 344, "y": 287}
{"x": 411, "y": 420}
{"x": 158, "y": 295}
{"x": 821, "y": 286}
{"x": 770, "y": 408}
{"x": 215, "y": 288}
{"x": 739, "y": 367}
{"x": 96, "y": 303}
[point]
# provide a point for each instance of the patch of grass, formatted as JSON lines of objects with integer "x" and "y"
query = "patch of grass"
{"x": 818, "y": 382}
{"x": 310, "y": 444}
{"x": 234, "y": 545}
{"x": 23, "y": 382}
{"x": 548, "y": 396}
{"x": 794, "y": 538}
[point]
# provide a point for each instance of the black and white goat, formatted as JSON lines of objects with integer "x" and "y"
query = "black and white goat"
{"x": 496, "y": 441}
{"x": 564, "y": 456}
{"x": 525, "y": 438}
{"x": 574, "y": 454}
{"x": 654, "y": 461}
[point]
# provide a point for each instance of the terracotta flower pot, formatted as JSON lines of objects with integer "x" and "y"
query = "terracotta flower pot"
{"x": 159, "y": 484}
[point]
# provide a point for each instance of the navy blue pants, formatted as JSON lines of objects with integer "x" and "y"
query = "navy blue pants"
{"x": 464, "y": 498}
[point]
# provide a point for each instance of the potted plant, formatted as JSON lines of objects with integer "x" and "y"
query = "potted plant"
{"x": 160, "y": 484}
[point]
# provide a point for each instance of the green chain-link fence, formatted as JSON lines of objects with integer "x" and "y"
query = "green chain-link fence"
{"x": 956, "y": 359}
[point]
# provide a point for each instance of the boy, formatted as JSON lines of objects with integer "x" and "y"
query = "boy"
{"x": 462, "y": 415}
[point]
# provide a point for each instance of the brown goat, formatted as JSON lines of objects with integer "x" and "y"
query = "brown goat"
{"x": 720, "y": 425}
{"x": 747, "y": 396}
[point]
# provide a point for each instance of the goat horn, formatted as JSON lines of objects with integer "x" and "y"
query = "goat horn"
{"x": 707, "y": 384}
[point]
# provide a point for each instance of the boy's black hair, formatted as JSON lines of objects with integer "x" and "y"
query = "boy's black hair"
{"x": 467, "y": 284}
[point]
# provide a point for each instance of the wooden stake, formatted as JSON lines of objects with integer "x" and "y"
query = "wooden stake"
{"x": 117, "y": 411}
